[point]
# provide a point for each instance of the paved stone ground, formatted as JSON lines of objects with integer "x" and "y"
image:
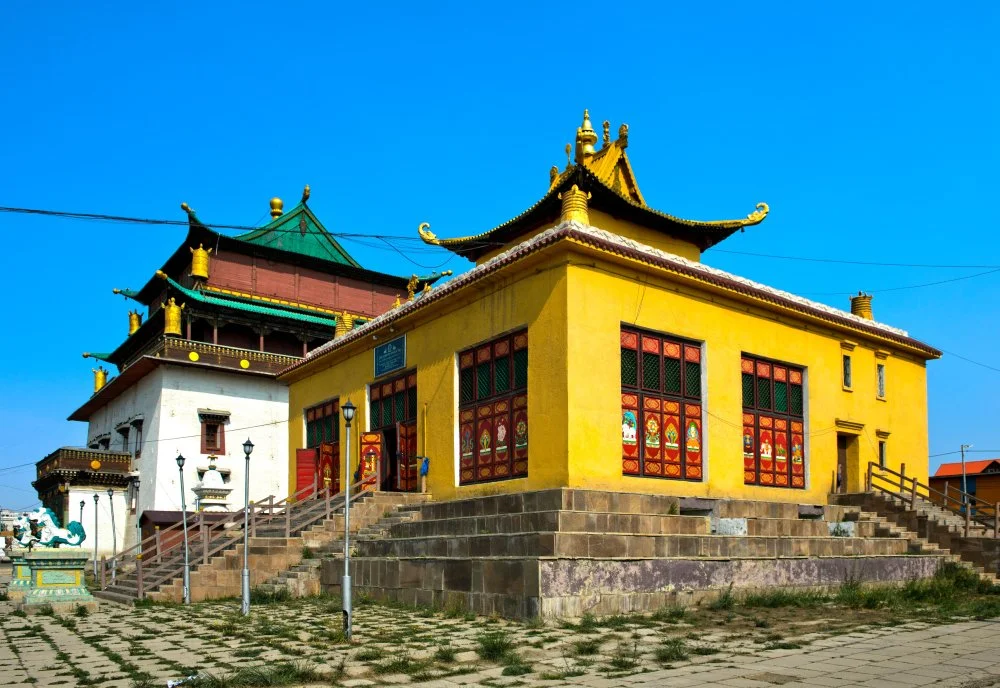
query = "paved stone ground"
{"x": 121, "y": 647}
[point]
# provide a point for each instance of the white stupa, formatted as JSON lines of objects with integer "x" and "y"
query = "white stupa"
{"x": 212, "y": 491}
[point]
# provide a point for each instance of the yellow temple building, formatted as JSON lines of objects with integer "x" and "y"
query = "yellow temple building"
{"x": 591, "y": 348}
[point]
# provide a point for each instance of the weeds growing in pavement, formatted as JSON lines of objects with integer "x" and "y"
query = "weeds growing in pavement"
{"x": 669, "y": 615}
{"x": 671, "y": 650}
{"x": 590, "y": 646}
{"x": 725, "y": 601}
{"x": 494, "y": 646}
{"x": 445, "y": 653}
{"x": 624, "y": 658}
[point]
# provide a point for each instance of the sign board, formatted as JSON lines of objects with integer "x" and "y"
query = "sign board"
{"x": 390, "y": 356}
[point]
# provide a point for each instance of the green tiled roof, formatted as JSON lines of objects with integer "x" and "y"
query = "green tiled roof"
{"x": 299, "y": 231}
{"x": 251, "y": 307}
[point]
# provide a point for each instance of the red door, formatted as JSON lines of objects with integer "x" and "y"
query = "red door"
{"x": 329, "y": 467}
{"x": 371, "y": 459}
{"x": 305, "y": 469}
{"x": 406, "y": 452}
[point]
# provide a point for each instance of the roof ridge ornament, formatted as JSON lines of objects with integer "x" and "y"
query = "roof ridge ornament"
{"x": 574, "y": 205}
{"x": 623, "y": 136}
{"x": 277, "y": 208}
{"x": 586, "y": 137}
{"x": 187, "y": 209}
{"x": 607, "y": 134}
{"x": 424, "y": 230}
{"x": 305, "y": 194}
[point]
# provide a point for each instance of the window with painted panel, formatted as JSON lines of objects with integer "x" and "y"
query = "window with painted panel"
{"x": 880, "y": 380}
{"x": 493, "y": 410}
{"x": 661, "y": 406}
{"x": 773, "y": 423}
{"x": 847, "y": 378}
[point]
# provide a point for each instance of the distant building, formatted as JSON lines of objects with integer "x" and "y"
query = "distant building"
{"x": 982, "y": 480}
{"x": 196, "y": 373}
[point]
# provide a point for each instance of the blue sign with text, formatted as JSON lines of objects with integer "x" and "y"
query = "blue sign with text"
{"x": 390, "y": 356}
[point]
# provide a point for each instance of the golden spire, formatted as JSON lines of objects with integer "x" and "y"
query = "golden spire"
{"x": 199, "y": 261}
{"x": 607, "y": 134}
{"x": 345, "y": 323}
{"x": 277, "y": 206}
{"x": 305, "y": 194}
{"x": 586, "y": 137}
{"x": 172, "y": 317}
{"x": 100, "y": 378}
{"x": 134, "y": 322}
{"x": 411, "y": 287}
{"x": 574, "y": 206}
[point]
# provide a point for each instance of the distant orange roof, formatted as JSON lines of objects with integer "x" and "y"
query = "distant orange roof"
{"x": 948, "y": 470}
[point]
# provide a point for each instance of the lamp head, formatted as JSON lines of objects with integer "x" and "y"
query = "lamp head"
{"x": 180, "y": 461}
{"x": 348, "y": 410}
{"x": 110, "y": 493}
{"x": 82, "y": 503}
{"x": 247, "y": 447}
{"x": 96, "y": 498}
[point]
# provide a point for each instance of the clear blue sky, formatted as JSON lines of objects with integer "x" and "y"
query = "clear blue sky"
{"x": 869, "y": 128}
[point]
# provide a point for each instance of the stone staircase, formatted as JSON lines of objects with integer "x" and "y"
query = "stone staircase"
{"x": 326, "y": 543}
{"x": 276, "y": 547}
{"x": 932, "y": 527}
{"x": 564, "y": 552}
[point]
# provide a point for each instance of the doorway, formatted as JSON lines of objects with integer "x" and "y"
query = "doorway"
{"x": 844, "y": 478}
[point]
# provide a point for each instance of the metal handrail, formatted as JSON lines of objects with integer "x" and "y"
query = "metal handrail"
{"x": 208, "y": 539}
{"x": 908, "y": 488}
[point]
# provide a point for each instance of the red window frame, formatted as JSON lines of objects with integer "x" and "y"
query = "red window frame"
{"x": 774, "y": 451}
{"x": 220, "y": 437}
{"x": 493, "y": 410}
{"x": 662, "y": 430}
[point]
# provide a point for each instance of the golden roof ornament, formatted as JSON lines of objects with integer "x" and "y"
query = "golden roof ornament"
{"x": 100, "y": 378}
{"x": 586, "y": 137}
{"x": 345, "y": 323}
{"x": 187, "y": 209}
{"x": 569, "y": 158}
{"x": 134, "y": 322}
{"x": 623, "y": 136}
{"x": 199, "y": 261}
{"x": 426, "y": 289}
{"x": 574, "y": 205}
{"x": 305, "y": 194}
{"x": 411, "y": 287}
{"x": 277, "y": 208}
{"x": 861, "y": 306}
{"x": 607, "y": 134}
{"x": 397, "y": 303}
{"x": 553, "y": 175}
{"x": 172, "y": 317}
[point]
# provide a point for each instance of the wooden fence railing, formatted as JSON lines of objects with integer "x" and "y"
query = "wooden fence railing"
{"x": 974, "y": 512}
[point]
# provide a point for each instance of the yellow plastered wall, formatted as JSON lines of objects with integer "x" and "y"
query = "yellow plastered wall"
{"x": 535, "y": 298}
{"x": 606, "y": 294}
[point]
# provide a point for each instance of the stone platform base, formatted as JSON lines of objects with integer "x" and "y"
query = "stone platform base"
{"x": 61, "y": 608}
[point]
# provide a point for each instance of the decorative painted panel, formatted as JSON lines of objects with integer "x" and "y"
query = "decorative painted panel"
{"x": 773, "y": 449}
{"x": 659, "y": 375}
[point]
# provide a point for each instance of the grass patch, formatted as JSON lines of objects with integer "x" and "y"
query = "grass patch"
{"x": 81, "y": 611}
{"x": 445, "y": 654}
{"x": 517, "y": 668}
{"x": 368, "y": 654}
{"x": 669, "y": 615}
{"x": 624, "y": 659}
{"x": 725, "y": 601}
{"x": 780, "y": 597}
{"x": 308, "y": 553}
{"x": 402, "y": 664}
{"x": 279, "y": 674}
{"x": 590, "y": 646}
{"x": 494, "y": 646}
{"x": 671, "y": 650}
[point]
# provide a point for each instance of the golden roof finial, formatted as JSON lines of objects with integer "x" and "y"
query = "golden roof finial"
{"x": 411, "y": 287}
{"x": 586, "y": 137}
{"x": 187, "y": 209}
{"x": 305, "y": 194}
{"x": 277, "y": 206}
{"x": 427, "y": 287}
{"x": 553, "y": 174}
{"x": 569, "y": 159}
{"x": 607, "y": 133}
{"x": 623, "y": 136}
{"x": 574, "y": 205}
{"x": 397, "y": 303}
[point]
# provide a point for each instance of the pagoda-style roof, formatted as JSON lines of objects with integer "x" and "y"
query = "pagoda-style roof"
{"x": 293, "y": 238}
{"x": 299, "y": 231}
{"x": 608, "y": 176}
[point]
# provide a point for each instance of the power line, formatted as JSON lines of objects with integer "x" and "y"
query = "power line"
{"x": 910, "y": 286}
{"x": 20, "y": 465}
{"x": 852, "y": 262}
{"x": 969, "y": 360}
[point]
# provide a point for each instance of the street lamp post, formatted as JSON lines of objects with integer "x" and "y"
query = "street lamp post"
{"x": 138, "y": 530}
{"x": 114, "y": 534}
{"x": 187, "y": 561}
{"x": 96, "y": 497}
{"x": 245, "y": 605}
{"x": 348, "y": 410}
{"x": 81, "y": 511}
